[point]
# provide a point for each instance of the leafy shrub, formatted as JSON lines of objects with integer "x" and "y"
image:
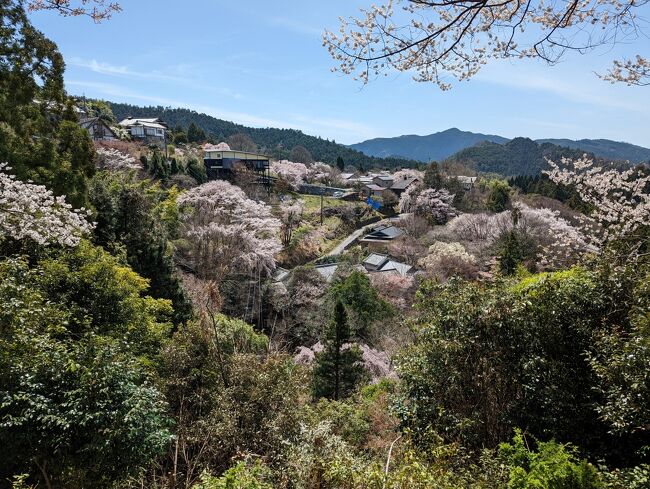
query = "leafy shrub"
{"x": 553, "y": 465}
{"x": 241, "y": 476}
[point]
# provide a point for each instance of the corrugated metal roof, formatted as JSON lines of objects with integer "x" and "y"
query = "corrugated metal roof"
{"x": 388, "y": 232}
{"x": 142, "y": 121}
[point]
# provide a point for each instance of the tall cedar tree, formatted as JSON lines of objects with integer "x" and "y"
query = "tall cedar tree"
{"x": 338, "y": 370}
{"x": 432, "y": 177}
{"x": 340, "y": 164}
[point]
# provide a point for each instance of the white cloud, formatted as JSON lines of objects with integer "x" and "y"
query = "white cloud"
{"x": 180, "y": 74}
{"x": 580, "y": 87}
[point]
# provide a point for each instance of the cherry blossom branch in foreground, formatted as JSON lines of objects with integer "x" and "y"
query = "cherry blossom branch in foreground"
{"x": 29, "y": 211}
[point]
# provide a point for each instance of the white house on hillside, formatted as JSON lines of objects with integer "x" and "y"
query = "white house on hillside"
{"x": 150, "y": 130}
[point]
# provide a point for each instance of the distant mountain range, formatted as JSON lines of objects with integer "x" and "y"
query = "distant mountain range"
{"x": 442, "y": 145}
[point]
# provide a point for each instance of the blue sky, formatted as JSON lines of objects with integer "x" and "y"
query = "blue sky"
{"x": 262, "y": 63}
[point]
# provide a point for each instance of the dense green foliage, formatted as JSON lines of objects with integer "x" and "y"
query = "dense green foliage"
{"x": 499, "y": 196}
{"x": 493, "y": 357}
{"x": 552, "y": 465}
{"x": 39, "y": 134}
{"x": 140, "y": 219}
{"x": 77, "y": 344}
{"x": 362, "y": 302}
{"x": 276, "y": 142}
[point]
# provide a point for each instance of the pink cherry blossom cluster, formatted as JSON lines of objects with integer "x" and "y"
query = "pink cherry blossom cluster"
{"x": 115, "y": 160}
{"x": 560, "y": 243}
{"x": 407, "y": 173}
{"x": 226, "y": 232}
{"x": 632, "y": 72}
{"x": 29, "y": 211}
{"x": 621, "y": 199}
{"x": 296, "y": 174}
{"x": 433, "y": 204}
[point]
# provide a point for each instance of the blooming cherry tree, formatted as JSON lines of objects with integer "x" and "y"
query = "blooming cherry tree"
{"x": 407, "y": 173}
{"x": 29, "y": 211}
{"x": 290, "y": 217}
{"x": 621, "y": 200}
{"x": 295, "y": 174}
{"x": 432, "y": 204}
{"x": 113, "y": 159}
{"x": 561, "y": 243}
{"x": 225, "y": 232}
{"x": 433, "y": 39}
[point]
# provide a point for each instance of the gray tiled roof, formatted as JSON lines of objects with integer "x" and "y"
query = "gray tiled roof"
{"x": 327, "y": 271}
{"x": 403, "y": 184}
{"x": 375, "y": 259}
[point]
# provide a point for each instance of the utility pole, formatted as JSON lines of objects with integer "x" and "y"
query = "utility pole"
{"x": 322, "y": 191}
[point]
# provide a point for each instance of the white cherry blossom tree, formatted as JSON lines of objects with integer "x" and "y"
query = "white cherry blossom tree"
{"x": 621, "y": 199}
{"x": 225, "y": 232}
{"x": 32, "y": 212}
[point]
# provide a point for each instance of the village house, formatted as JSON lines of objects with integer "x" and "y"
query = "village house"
{"x": 383, "y": 183}
{"x": 378, "y": 238}
{"x": 378, "y": 262}
{"x": 98, "y": 129}
{"x": 467, "y": 182}
{"x": 221, "y": 162}
{"x": 149, "y": 130}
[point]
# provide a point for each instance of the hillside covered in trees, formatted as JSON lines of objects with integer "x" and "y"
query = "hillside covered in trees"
{"x": 519, "y": 156}
{"x": 161, "y": 330}
{"x": 276, "y": 142}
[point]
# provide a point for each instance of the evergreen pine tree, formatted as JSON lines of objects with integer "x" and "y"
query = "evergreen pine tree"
{"x": 338, "y": 369}
{"x": 340, "y": 164}
{"x": 195, "y": 134}
{"x": 432, "y": 177}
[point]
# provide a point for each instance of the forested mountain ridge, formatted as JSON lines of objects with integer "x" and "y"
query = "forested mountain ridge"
{"x": 605, "y": 148}
{"x": 444, "y": 144}
{"x": 520, "y": 156}
{"x": 434, "y": 147}
{"x": 277, "y": 142}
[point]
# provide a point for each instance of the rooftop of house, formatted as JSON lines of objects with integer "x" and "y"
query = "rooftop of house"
{"x": 346, "y": 176}
{"x": 378, "y": 262}
{"x": 143, "y": 121}
{"x": 385, "y": 233}
{"x": 403, "y": 184}
{"x": 373, "y": 187}
{"x": 394, "y": 266}
{"x": 375, "y": 259}
{"x": 327, "y": 270}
